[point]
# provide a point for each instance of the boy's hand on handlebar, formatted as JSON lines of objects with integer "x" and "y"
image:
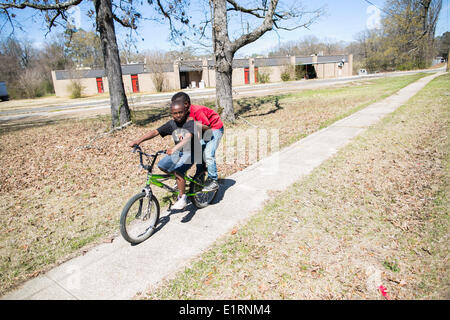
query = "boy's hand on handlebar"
{"x": 133, "y": 143}
{"x": 170, "y": 151}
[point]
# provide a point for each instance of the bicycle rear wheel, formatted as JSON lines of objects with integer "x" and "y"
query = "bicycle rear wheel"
{"x": 201, "y": 199}
{"x": 139, "y": 218}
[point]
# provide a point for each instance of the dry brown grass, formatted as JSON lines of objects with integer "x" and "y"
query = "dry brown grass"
{"x": 375, "y": 214}
{"x": 56, "y": 199}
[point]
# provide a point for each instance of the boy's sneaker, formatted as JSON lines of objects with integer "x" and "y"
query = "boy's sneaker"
{"x": 212, "y": 185}
{"x": 180, "y": 204}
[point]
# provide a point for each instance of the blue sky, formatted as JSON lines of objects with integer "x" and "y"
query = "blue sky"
{"x": 342, "y": 21}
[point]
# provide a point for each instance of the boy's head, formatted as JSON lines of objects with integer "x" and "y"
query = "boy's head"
{"x": 178, "y": 111}
{"x": 182, "y": 98}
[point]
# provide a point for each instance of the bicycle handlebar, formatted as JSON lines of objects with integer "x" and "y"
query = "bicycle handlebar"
{"x": 155, "y": 155}
{"x": 135, "y": 148}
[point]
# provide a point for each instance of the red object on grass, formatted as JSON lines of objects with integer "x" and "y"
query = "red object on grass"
{"x": 383, "y": 292}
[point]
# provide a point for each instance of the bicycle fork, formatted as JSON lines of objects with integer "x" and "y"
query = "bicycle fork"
{"x": 148, "y": 195}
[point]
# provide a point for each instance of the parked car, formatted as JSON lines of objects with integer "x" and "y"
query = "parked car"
{"x": 362, "y": 72}
{"x": 3, "y": 91}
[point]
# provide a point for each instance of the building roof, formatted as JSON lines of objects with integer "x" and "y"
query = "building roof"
{"x": 304, "y": 60}
{"x": 191, "y": 65}
{"x": 158, "y": 67}
{"x": 97, "y": 73}
{"x": 331, "y": 59}
{"x": 196, "y": 65}
{"x": 273, "y": 61}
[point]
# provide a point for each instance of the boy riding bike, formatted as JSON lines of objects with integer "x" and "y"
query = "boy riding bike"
{"x": 212, "y": 127}
{"x": 180, "y": 157}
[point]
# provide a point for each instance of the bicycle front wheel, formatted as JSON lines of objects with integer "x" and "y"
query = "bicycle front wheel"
{"x": 139, "y": 218}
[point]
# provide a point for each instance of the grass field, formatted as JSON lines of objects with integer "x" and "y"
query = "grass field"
{"x": 374, "y": 214}
{"x": 63, "y": 186}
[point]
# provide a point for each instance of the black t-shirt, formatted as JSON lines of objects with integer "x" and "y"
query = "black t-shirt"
{"x": 178, "y": 131}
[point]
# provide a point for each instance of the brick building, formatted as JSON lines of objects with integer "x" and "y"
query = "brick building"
{"x": 198, "y": 73}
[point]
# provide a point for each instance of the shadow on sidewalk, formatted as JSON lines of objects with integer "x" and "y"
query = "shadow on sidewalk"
{"x": 225, "y": 184}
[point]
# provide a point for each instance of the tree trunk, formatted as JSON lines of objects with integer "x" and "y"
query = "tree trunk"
{"x": 224, "y": 94}
{"x": 224, "y": 50}
{"x": 223, "y": 61}
{"x": 120, "y": 112}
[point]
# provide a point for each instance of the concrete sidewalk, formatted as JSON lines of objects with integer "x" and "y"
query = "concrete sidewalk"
{"x": 118, "y": 270}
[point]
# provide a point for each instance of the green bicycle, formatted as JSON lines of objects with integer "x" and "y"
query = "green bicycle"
{"x": 140, "y": 215}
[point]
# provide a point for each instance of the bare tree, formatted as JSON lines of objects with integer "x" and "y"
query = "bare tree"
{"x": 156, "y": 62}
{"x": 55, "y": 11}
{"x": 27, "y": 68}
{"x": 256, "y": 19}
{"x": 405, "y": 39}
{"x": 19, "y": 64}
{"x": 83, "y": 48}
{"x": 120, "y": 112}
{"x": 409, "y": 26}
{"x": 430, "y": 15}
{"x": 309, "y": 45}
{"x": 224, "y": 48}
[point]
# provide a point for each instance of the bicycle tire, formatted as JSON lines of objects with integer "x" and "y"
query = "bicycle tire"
{"x": 204, "y": 199}
{"x": 129, "y": 224}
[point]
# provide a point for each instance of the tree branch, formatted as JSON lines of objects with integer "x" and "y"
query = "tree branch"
{"x": 265, "y": 26}
{"x": 43, "y": 7}
{"x": 273, "y": 19}
{"x": 52, "y": 21}
{"x": 173, "y": 32}
{"x": 10, "y": 21}
{"x": 124, "y": 22}
{"x": 254, "y": 11}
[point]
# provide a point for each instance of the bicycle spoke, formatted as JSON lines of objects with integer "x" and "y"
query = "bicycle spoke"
{"x": 138, "y": 214}
{"x": 145, "y": 231}
{"x": 149, "y": 211}
{"x": 200, "y": 198}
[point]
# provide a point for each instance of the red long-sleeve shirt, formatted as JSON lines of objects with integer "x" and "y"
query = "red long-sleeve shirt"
{"x": 206, "y": 116}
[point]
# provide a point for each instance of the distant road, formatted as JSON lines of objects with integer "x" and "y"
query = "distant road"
{"x": 23, "y": 115}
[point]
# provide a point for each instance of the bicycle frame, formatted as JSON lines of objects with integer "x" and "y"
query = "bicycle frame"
{"x": 155, "y": 179}
{"x": 130, "y": 220}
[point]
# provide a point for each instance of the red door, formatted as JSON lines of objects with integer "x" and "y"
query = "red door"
{"x": 99, "y": 85}
{"x": 247, "y": 75}
{"x": 256, "y": 74}
{"x": 135, "y": 82}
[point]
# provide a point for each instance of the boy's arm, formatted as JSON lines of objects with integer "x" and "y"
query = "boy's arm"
{"x": 187, "y": 138}
{"x": 205, "y": 127}
{"x": 203, "y": 119}
{"x": 148, "y": 136}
